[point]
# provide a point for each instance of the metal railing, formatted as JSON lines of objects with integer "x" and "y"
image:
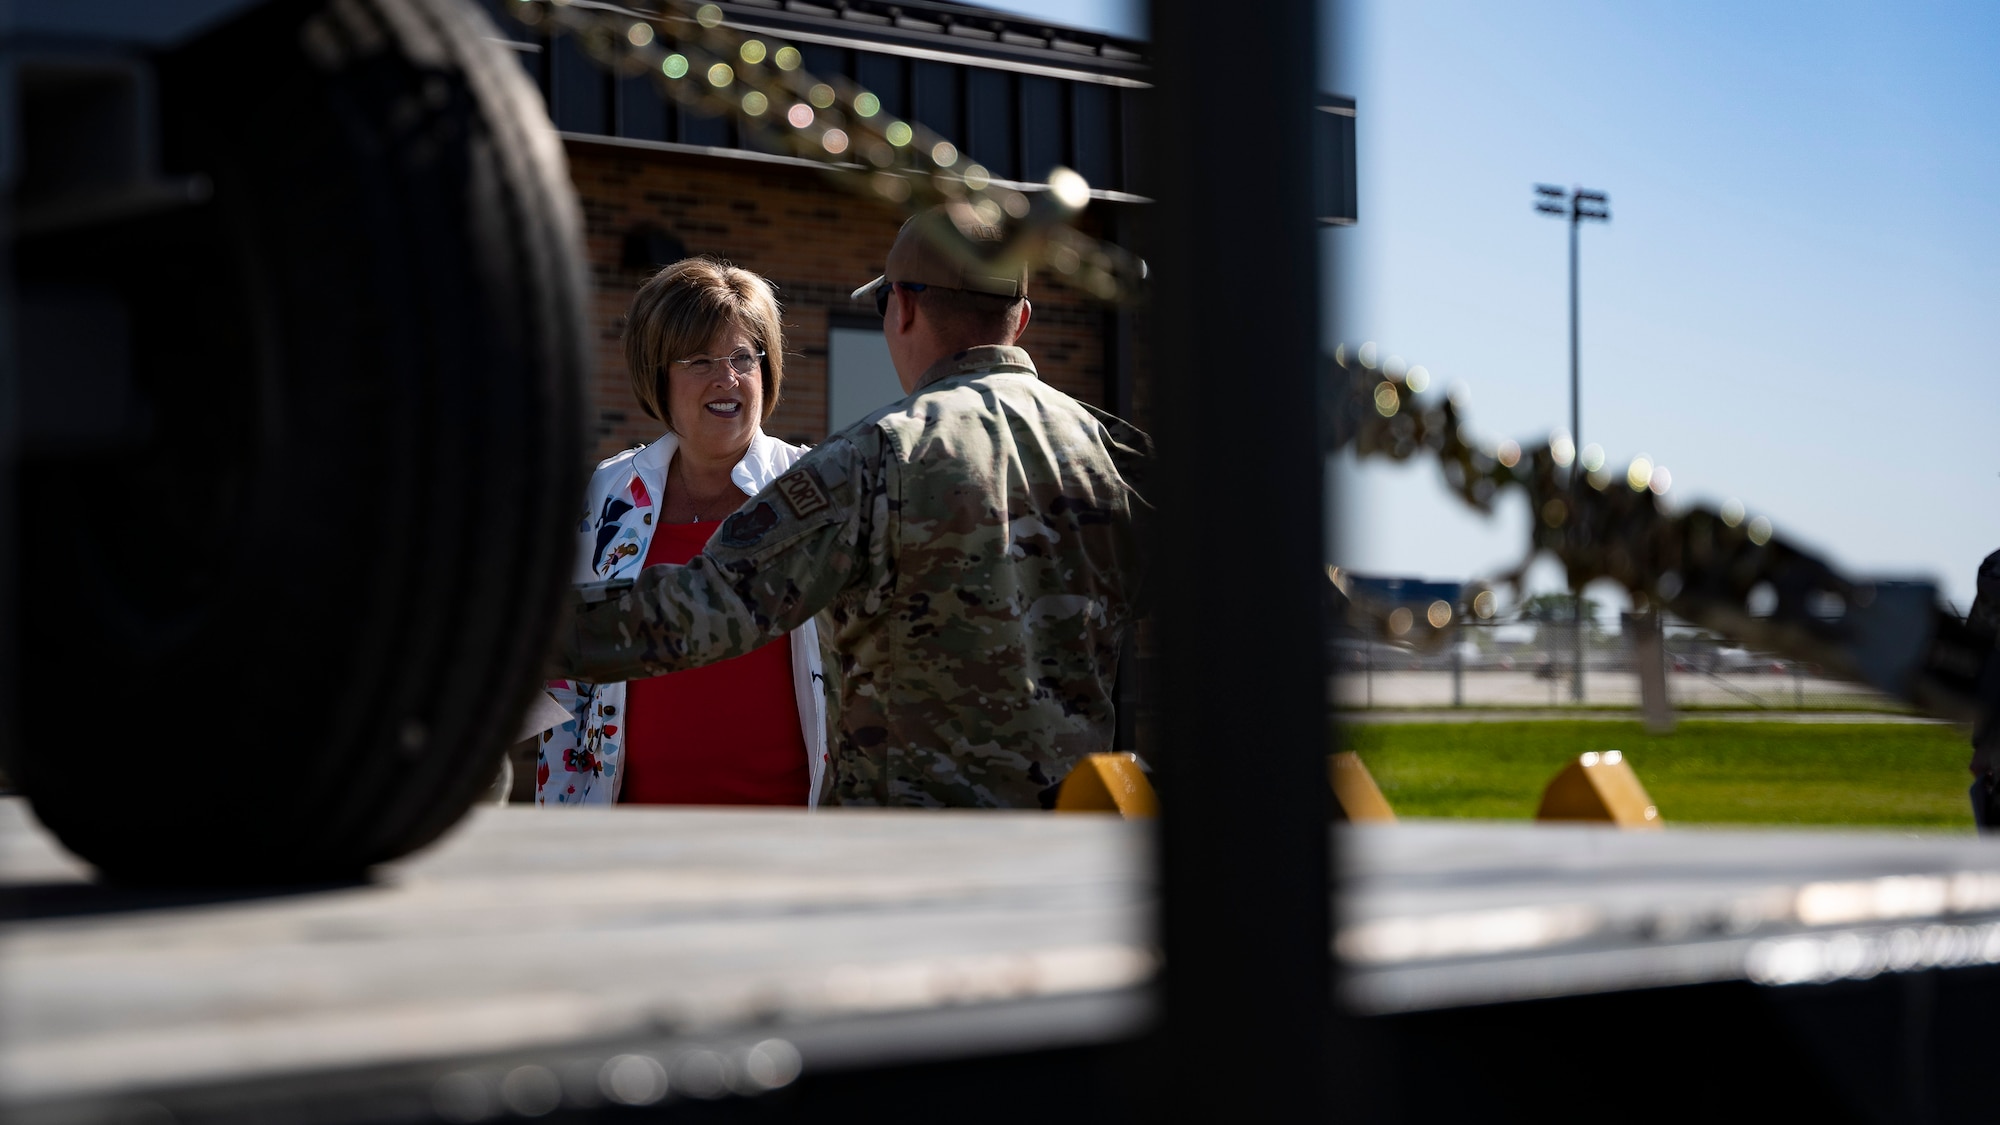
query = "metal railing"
{"x": 1528, "y": 667}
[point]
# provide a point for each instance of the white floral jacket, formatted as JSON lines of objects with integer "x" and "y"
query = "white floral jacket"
{"x": 580, "y": 760}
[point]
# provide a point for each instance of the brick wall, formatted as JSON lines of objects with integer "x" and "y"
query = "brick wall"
{"x": 814, "y": 240}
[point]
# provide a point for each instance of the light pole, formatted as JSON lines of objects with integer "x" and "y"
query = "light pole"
{"x": 1577, "y": 205}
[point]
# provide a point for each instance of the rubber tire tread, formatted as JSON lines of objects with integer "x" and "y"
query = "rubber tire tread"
{"x": 412, "y": 252}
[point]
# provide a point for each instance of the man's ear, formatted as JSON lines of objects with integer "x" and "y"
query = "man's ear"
{"x": 905, "y": 312}
{"x": 1027, "y": 313}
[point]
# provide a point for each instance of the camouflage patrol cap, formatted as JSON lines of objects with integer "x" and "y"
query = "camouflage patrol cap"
{"x": 949, "y": 247}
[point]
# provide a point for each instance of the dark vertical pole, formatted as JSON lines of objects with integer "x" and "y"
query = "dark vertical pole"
{"x": 10, "y": 717}
{"x": 1117, "y": 399}
{"x": 1235, "y": 346}
{"x": 1576, "y": 436}
{"x": 1117, "y": 326}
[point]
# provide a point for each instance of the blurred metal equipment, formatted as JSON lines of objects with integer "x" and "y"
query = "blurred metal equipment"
{"x": 1578, "y": 206}
{"x": 1723, "y": 570}
{"x": 694, "y": 55}
{"x": 1245, "y": 915}
{"x": 292, "y": 283}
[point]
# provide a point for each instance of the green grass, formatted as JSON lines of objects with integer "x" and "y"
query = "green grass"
{"x": 1900, "y": 774}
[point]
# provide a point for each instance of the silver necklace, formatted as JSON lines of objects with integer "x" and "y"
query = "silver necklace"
{"x": 700, "y": 507}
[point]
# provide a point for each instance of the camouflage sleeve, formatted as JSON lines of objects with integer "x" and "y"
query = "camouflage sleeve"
{"x": 1985, "y": 616}
{"x": 1985, "y": 612}
{"x": 813, "y": 534}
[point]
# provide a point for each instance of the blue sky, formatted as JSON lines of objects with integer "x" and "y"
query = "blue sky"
{"x": 1796, "y": 303}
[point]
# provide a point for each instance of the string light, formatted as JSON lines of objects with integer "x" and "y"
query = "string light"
{"x": 837, "y": 123}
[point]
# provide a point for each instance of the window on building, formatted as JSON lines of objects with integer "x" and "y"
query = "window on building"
{"x": 859, "y": 377}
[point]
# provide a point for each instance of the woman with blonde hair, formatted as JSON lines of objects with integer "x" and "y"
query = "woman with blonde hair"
{"x": 705, "y": 351}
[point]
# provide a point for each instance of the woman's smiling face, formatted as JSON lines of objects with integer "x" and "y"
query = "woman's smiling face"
{"x": 716, "y": 414}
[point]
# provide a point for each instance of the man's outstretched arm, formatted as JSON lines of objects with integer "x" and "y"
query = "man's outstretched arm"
{"x": 782, "y": 557}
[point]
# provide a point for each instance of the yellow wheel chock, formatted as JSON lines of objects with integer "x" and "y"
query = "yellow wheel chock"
{"x": 1115, "y": 783}
{"x": 1361, "y": 800}
{"x": 1108, "y": 783}
{"x": 1599, "y": 787}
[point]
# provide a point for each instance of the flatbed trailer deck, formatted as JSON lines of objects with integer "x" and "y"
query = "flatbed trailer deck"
{"x": 700, "y": 958}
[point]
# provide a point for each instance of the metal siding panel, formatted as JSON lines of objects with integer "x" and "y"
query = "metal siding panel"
{"x": 1092, "y": 130}
{"x": 935, "y": 97}
{"x": 701, "y": 129}
{"x": 1333, "y": 168}
{"x": 643, "y": 113}
{"x": 989, "y": 121}
{"x": 823, "y": 61}
{"x": 887, "y": 77}
{"x": 579, "y": 95}
{"x": 1130, "y": 123}
{"x": 1349, "y": 192}
{"x": 1044, "y": 132}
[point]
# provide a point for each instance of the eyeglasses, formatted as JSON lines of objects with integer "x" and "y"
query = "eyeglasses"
{"x": 742, "y": 361}
{"x": 882, "y": 294}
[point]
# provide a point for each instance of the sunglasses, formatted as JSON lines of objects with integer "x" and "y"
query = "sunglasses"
{"x": 882, "y": 294}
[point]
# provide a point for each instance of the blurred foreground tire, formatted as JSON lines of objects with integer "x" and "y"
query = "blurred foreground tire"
{"x": 279, "y": 625}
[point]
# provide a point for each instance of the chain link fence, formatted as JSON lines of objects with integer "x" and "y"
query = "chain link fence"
{"x": 1516, "y": 665}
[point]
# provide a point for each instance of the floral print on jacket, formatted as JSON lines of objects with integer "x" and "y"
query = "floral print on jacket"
{"x": 579, "y": 761}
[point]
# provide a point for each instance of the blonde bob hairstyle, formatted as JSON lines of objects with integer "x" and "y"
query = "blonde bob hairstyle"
{"x": 681, "y": 308}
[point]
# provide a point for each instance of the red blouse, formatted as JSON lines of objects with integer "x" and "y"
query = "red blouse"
{"x": 722, "y": 734}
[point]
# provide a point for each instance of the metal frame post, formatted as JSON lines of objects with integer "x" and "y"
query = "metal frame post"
{"x": 1577, "y": 205}
{"x": 10, "y": 139}
{"x": 1234, "y": 321}
{"x": 1576, "y": 436}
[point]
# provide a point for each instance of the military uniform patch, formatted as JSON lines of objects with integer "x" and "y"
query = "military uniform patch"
{"x": 744, "y": 529}
{"x": 803, "y": 493}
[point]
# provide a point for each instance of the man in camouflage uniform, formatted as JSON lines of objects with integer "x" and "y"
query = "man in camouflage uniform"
{"x": 972, "y": 550}
{"x": 1985, "y": 618}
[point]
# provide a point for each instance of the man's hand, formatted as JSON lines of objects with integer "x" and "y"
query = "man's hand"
{"x": 565, "y": 655}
